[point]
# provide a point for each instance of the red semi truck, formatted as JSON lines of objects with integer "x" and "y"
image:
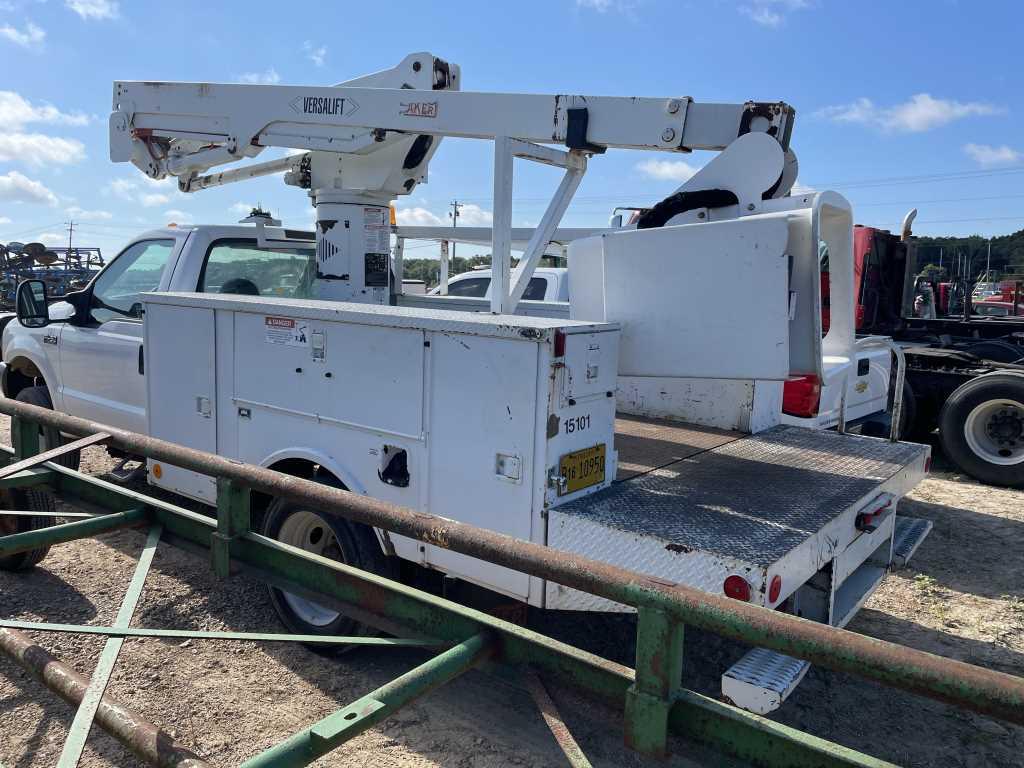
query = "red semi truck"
{"x": 965, "y": 367}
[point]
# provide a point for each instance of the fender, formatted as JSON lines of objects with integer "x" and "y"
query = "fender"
{"x": 316, "y": 457}
{"x": 348, "y": 479}
{"x": 25, "y": 346}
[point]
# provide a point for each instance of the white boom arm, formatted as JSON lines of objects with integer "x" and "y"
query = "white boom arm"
{"x": 371, "y": 139}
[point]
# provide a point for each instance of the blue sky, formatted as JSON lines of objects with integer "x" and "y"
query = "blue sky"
{"x": 899, "y": 104}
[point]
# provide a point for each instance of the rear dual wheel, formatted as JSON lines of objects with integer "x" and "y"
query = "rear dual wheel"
{"x": 331, "y": 537}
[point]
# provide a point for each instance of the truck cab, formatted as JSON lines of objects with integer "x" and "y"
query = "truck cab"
{"x": 547, "y": 284}
{"x": 92, "y": 363}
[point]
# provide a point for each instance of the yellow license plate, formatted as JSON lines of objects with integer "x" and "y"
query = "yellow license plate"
{"x": 582, "y": 469}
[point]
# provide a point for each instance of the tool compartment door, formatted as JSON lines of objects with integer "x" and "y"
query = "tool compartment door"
{"x": 483, "y": 417}
{"x": 181, "y": 391}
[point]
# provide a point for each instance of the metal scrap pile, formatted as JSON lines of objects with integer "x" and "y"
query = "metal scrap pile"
{"x": 63, "y": 269}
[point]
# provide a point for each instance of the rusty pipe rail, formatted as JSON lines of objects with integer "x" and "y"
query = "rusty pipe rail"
{"x": 965, "y": 685}
{"x": 143, "y": 738}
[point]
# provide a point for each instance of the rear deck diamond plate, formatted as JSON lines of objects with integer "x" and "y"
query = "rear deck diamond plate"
{"x": 754, "y": 498}
{"x": 647, "y": 444}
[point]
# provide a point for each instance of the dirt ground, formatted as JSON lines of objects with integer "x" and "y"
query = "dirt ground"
{"x": 962, "y": 597}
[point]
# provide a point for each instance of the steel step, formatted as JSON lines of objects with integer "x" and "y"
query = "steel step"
{"x": 762, "y": 680}
{"x": 910, "y": 532}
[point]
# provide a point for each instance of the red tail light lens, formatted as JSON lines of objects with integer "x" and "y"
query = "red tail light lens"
{"x": 559, "y": 343}
{"x": 801, "y": 396}
{"x": 737, "y": 588}
{"x": 774, "y": 589}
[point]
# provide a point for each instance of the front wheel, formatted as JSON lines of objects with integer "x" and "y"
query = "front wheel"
{"x": 327, "y": 536}
{"x": 981, "y": 428}
{"x": 49, "y": 437}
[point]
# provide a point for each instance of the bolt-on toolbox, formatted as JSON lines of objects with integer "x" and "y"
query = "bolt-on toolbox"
{"x": 484, "y": 419}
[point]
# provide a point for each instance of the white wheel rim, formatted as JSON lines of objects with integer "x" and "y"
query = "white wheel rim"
{"x": 307, "y": 530}
{"x": 994, "y": 430}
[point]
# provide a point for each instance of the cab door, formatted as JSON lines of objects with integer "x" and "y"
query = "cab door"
{"x": 102, "y": 373}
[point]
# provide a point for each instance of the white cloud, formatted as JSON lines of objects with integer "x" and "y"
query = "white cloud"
{"x": 604, "y": 6}
{"x": 16, "y": 111}
{"x": 52, "y": 238}
{"x": 153, "y": 199}
{"x": 417, "y": 217}
{"x": 921, "y": 112}
{"x": 4, "y": 220}
{"x": 474, "y": 216}
{"x": 800, "y": 189}
{"x": 179, "y": 217}
{"x": 17, "y": 188}
{"x": 666, "y": 170}
{"x": 135, "y": 191}
{"x": 36, "y": 149}
{"x": 316, "y": 54}
{"x": 31, "y": 37}
{"x": 988, "y": 156}
{"x": 83, "y": 215}
{"x": 267, "y": 77}
{"x": 772, "y": 13}
{"x": 94, "y": 9}
{"x": 122, "y": 188}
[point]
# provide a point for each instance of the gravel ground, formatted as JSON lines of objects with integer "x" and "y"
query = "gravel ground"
{"x": 962, "y": 596}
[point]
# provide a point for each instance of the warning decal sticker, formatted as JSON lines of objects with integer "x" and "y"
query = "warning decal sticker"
{"x": 287, "y": 331}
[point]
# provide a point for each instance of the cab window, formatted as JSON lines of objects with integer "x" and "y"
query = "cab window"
{"x": 476, "y": 287}
{"x": 116, "y": 292}
{"x": 240, "y": 267}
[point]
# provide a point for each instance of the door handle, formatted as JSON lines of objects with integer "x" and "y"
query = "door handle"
{"x": 142, "y": 362}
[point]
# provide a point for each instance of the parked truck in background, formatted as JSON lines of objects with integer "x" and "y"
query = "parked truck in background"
{"x": 965, "y": 362}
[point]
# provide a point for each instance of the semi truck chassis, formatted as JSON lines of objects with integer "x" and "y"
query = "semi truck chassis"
{"x": 652, "y": 696}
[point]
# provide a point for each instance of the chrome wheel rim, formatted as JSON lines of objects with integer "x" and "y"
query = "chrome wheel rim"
{"x": 310, "y": 532}
{"x": 994, "y": 430}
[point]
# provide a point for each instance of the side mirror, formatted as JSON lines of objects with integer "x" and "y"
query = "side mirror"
{"x": 33, "y": 310}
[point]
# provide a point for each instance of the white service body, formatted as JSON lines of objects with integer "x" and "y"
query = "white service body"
{"x": 481, "y": 405}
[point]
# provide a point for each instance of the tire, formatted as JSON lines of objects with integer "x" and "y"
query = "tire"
{"x": 333, "y": 537}
{"x": 49, "y": 437}
{"x": 981, "y": 428}
{"x": 28, "y": 500}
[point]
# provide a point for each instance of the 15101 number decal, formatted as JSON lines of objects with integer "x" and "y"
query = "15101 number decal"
{"x": 576, "y": 424}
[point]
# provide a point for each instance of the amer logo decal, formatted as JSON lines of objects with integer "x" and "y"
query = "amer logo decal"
{"x": 419, "y": 109}
{"x": 324, "y": 105}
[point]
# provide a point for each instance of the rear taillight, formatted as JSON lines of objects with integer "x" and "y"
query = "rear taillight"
{"x": 559, "y": 343}
{"x": 737, "y": 588}
{"x": 801, "y": 396}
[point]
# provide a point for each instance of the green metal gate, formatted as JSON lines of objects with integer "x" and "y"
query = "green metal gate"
{"x": 652, "y": 697}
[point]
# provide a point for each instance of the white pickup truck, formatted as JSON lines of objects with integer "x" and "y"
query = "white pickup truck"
{"x": 794, "y": 519}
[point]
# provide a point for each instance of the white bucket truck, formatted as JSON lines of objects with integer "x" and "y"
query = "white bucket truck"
{"x": 263, "y": 348}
